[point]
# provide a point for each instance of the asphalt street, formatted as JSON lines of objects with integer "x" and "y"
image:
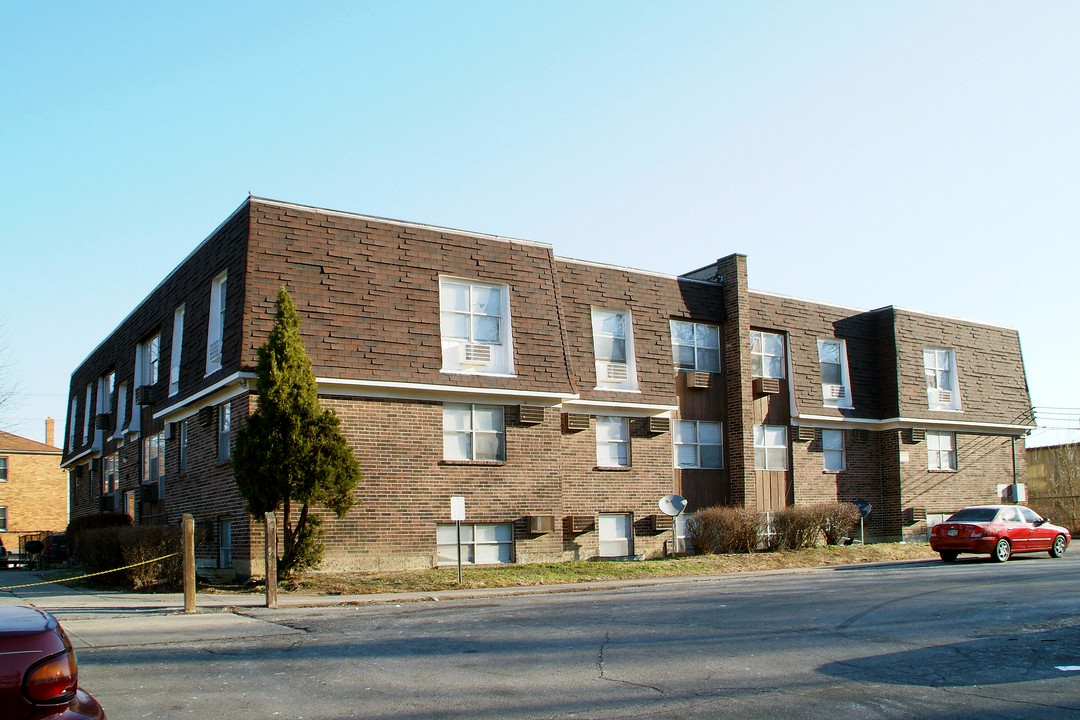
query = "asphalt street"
{"x": 917, "y": 640}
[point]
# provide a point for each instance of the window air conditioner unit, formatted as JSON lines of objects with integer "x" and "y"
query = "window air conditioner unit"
{"x": 476, "y": 354}
{"x": 862, "y": 435}
{"x": 214, "y": 353}
{"x": 616, "y": 372}
{"x": 766, "y": 386}
{"x": 144, "y": 395}
{"x": 915, "y": 435}
{"x": 102, "y": 421}
{"x": 577, "y": 524}
{"x": 151, "y": 492}
{"x": 698, "y": 380}
{"x": 572, "y": 422}
{"x": 530, "y": 414}
{"x": 540, "y": 524}
{"x": 659, "y": 425}
{"x": 835, "y": 392}
{"x": 804, "y": 433}
{"x": 941, "y": 397}
{"x": 660, "y": 523}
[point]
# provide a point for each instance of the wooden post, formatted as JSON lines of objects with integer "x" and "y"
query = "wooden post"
{"x": 270, "y": 522}
{"x": 189, "y": 562}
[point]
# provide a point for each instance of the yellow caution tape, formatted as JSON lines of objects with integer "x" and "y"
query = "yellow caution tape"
{"x": 88, "y": 575}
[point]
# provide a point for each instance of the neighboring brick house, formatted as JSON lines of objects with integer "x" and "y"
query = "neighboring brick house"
{"x": 33, "y": 487}
{"x": 561, "y": 398}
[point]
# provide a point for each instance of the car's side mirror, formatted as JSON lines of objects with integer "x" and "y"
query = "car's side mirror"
{"x": 1041, "y": 521}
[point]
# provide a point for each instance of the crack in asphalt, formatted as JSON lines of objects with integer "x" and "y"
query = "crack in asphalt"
{"x": 600, "y": 668}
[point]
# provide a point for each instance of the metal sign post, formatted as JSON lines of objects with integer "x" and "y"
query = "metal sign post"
{"x": 864, "y": 509}
{"x": 457, "y": 514}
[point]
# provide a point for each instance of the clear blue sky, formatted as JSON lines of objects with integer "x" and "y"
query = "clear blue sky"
{"x": 920, "y": 154}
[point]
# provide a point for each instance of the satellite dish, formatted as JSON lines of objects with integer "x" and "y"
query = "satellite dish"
{"x": 672, "y": 505}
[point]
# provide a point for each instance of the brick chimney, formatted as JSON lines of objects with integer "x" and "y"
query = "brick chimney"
{"x": 50, "y": 432}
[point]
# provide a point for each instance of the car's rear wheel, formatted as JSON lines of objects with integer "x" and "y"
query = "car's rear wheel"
{"x": 1058, "y": 548}
{"x": 1002, "y": 551}
{"x": 948, "y": 555}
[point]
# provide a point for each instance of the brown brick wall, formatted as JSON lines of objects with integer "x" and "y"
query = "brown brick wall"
{"x": 983, "y": 463}
{"x": 407, "y": 486}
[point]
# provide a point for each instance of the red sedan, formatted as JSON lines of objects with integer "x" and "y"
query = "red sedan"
{"x": 999, "y": 531}
{"x": 39, "y": 678}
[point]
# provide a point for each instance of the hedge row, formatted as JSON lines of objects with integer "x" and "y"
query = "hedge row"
{"x": 109, "y": 541}
{"x": 722, "y": 529}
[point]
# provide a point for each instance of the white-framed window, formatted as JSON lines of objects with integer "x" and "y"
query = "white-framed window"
{"x": 770, "y": 447}
{"x": 616, "y": 534}
{"x": 832, "y": 448}
{"x": 940, "y": 450}
{"x": 612, "y": 441}
{"x": 153, "y": 465}
{"x": 121, "y": 410}
{"x": 485, "y": 544}
{"x": 215, "y": 332}
{"x": 150, "y": 361}
{"x": 3, "y": 518}
{"x": 3, "y": 468}
{"x": 613, "y": 350}
{"x": 767, "y": 355}
{"x": 942, "y": 386}
{"x": 474, "y": 433}
{"x": 71, "y": 423}
{"x": 110, "y": 472}
{"x": 475, "y": 321}
{"x": 184, "y": 429}
{"x": 177, "y": 348}
{"x": 86, "y": 413}
{"x": 224, "y": 426}
{"x": 695, "y": 346}
{"x": 835, "y": 380}
{"x": 698, "y": 444}
{"x": 107, "y": 393}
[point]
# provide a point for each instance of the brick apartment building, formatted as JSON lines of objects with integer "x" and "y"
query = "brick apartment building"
{"x": 33, "y": 487}
{"x": 562, "y": 399}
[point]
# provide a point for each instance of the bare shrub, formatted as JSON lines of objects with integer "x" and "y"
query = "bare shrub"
{"x": 148, "y": 542}
{"x": 795, "y": 527}
{"x": 836, "y": 520}
{"x": 721, "y": 529}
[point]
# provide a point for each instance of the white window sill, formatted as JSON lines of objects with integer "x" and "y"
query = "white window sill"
{"x": 483, "y": 373}
{"x": 608, "y": 388}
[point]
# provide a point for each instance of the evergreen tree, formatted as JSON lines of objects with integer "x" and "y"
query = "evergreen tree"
{"x": 291, "y": 452}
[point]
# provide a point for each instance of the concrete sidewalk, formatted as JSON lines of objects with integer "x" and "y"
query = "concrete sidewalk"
{"x": 109, "y": 618}
{"x": 103, "y": 618}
